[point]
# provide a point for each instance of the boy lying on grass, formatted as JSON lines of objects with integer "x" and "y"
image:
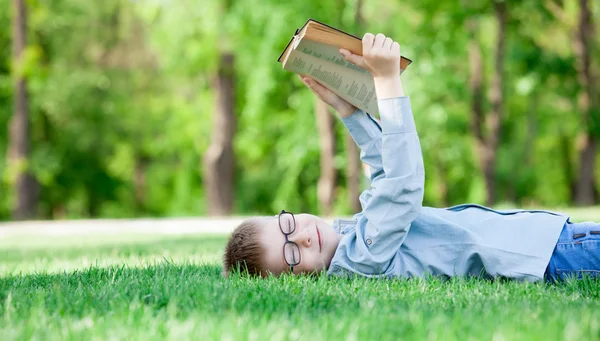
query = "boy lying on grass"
{"x": 394, "y": 235}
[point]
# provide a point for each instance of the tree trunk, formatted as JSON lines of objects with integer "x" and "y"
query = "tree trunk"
{"x": 352, "y": 152}
{"x": 587, "y": 102}
{"x": 354, "y": 173}
{"x": 476, "y": 86}
{"x": 585, "y": 187}
{"x": 567, "y": 165}
{"x": 532, "y": 129}
{"x": 139, "y": 180}
{"x": 529, "y": 150}
{"x": 442, "y": 187}
{"x": 496, "y": 99}
{"x": 219, "y": 158}
{"x": 487, "y": 144}
{"x": 326, "y": 184}
{"x": 18, "y": 149}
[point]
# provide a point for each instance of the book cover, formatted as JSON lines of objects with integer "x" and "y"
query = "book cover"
{"x": 314, "y": 51}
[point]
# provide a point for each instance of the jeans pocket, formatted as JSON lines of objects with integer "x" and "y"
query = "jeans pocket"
{"x": 565, "y": 274}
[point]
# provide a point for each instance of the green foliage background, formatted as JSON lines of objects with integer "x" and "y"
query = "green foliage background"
{"x": 112, "y": 82}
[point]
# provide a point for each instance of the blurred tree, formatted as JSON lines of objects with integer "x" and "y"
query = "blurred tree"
{"x": 577, "y": 21}
{"x": 6, "y": 104}
{"x": 354, "y": 168}
{"x": 496, "y": 99}
{"x": 327, "y": 177}
{"x": 477, "y": 95}
{"x": 123, "y": 102}
{"x": 487, "y": 144}
{"x": 219, "y": 158}
{"x": 25, "y": 186}
{"x": 586, "y": 192}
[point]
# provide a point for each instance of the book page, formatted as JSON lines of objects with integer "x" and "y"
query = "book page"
{"x": 345, "y": 80}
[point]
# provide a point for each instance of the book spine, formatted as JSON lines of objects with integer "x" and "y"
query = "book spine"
{"x": 350, "y": 84}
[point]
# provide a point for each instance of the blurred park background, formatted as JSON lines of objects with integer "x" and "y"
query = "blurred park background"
{"x": 159, "y": 108}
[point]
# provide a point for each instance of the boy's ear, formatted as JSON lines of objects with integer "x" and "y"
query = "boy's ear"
{"x": 225, "y": 273}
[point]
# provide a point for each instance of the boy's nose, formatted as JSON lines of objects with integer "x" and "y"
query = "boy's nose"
{"x": 302, "y": 238}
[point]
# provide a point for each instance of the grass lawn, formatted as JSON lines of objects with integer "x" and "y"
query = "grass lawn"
{"x": 166, "y": 287}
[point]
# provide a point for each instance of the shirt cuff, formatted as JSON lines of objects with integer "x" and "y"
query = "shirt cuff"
{"x": 362, "y": 127}
{"x": 396, "y": 115}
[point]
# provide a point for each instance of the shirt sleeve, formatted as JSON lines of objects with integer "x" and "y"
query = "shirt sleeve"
{"x": 366, "y": 133}
{"x": 397, "y": 194}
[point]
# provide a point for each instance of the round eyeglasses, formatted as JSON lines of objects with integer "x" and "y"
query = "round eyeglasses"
{"x": 291, "y": 251}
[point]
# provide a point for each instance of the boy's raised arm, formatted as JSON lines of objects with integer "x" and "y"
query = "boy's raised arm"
{"x": 397, "y": 196}
{"x": 366, "y": 133}
{"x": 396, "y": 151}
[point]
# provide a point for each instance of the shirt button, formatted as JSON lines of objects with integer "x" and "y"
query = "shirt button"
{"x": 369, "y": 241}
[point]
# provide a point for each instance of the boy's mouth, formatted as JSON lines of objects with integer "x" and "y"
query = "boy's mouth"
{"x": 319, "y": 235}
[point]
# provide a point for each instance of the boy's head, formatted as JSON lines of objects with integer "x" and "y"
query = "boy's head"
{"x": 259, "y": 245}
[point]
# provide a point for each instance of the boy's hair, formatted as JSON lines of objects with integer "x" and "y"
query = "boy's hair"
{"x": 243, "y": 250}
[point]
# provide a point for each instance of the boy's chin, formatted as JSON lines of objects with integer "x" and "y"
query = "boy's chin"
{"x": 323, "y": 267}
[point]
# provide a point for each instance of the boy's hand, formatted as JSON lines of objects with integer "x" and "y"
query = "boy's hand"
{"x": 381, "y": 57}
{"x": 336, "y": 102}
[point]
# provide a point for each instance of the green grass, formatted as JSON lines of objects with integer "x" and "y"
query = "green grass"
{"x": 156, "y": 288}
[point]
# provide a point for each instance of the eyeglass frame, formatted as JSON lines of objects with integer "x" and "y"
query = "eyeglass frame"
{"x": 287, "y": 240}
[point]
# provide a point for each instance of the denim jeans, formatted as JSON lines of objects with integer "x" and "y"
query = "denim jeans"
{"x": 577, "y": 252}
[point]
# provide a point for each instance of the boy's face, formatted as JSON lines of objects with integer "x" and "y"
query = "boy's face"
{"x": 316, "y": 240}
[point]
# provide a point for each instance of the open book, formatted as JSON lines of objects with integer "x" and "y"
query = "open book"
{"x": 314, "y": 51}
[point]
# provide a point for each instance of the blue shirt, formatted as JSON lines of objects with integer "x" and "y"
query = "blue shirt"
{"x": 395, "y": 236}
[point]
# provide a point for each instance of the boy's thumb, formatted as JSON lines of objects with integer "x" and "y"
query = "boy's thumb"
{"x": 351, "y": 57}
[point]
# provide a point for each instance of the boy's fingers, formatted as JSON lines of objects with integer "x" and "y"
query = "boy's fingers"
{"x": 320, "y": 90}
{"x": 387, "y": 44}
{"x": 305, "y": 79}
{"x": 312, "y": 84}
{"x": 367, "y": 42}
{"x": 316, "y": 86}
{"x": 352, "y": 58}
{"x": 379, "y": 40}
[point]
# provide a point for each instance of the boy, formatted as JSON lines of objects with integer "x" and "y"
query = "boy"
{"x": 394, "y": 236}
